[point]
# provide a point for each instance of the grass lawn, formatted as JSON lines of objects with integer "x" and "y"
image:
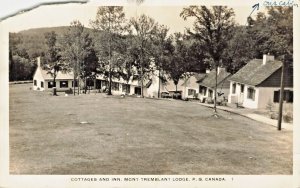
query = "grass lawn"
{"x": 137, "y": 136}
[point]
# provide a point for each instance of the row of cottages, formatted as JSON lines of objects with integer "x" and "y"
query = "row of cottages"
{"x": 258, "y": 83}
{"x": 253, "y": 86}
{"x": 43, "y": 80}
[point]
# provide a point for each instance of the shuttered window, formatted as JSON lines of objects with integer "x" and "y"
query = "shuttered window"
{"x": 287, "y": 96}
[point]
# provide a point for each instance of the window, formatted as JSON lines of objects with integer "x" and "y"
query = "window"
{"x": 115, "y": 86}
{"x": 191, "y": 92}
{"x": 137, "y": 90}
{"x": 251, "y": 93}
{"x": 34, "y": 82}
{"x": 42, "y": 84}
{"x": 242, "y": 88}
{"x": 202, "y": 90}
{"x": 126, "y": 88}
{"x": 51, "y": 84}
{"x": 287, "y": 96}
{"x": 63, "y": 84}
{"x": 233, "y": 88}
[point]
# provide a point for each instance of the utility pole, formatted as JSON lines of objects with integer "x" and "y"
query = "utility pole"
{"x": 281, "y": 95}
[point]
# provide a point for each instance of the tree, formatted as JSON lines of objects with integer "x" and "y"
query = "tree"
{"x": 110, "y": 21}
{"x": 129, "y": 57}
{"x": 160, "y": 51}
{"x": 52, "y": 57}
{"x": 177, "y": 64}
{"x": 144, "y": 28}
{"x": 14, "y": 40}
{"x": 80, "y": 54}
{"x": 273, "y": 32}
{"x": 212, "y": 27}
{"x": 240, "y": 49}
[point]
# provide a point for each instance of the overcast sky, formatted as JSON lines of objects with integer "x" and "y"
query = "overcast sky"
{"x": 62, "y": 15}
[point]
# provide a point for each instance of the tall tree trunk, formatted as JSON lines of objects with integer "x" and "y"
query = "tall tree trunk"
{"x": 85, "y": 86}
{"x": 142, "y": 79}
{"x": 215, "y": 94}
{"x": 74, "y": 80}
{"x": 78, "y": 85}
{"x": 11, "y": 67}
{"x": 158, "y": 92}
{"x": 54, "y": 83}
{"x": 109, "y": 82}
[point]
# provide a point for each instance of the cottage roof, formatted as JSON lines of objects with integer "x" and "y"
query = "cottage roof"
{"x": 209, "y": 79}
{"x": 255, "y": 72}
{"x": 192, "y": 79}
{"x": 60, "y": 75}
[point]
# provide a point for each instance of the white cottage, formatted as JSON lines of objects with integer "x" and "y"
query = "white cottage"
{"x": 207, "y": 85}
{"x": 258, "y": 83}
{"x": 42, "y": 80}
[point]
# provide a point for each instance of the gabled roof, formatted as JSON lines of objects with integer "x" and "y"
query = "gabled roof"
{"x": 210, "y": 79}
{"x": 254, "y": 72}
{"x": 60, "y": 75}
{"x": 192, "y": 79}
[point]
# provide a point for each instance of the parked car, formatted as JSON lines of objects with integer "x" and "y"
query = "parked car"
{"x": 165, "y": 95}
{"x": 177, "y": 95}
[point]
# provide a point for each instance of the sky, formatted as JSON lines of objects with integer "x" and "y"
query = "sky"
{"x": 62, "y": 15}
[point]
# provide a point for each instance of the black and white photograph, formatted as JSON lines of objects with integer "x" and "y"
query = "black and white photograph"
{"x": 187, "y": 93}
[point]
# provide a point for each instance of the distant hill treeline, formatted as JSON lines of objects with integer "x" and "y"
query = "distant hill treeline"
{"x": 25, "y": 46}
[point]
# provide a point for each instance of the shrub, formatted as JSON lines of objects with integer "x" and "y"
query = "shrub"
{"x": 270, "y": 106}
{"x": 274, "y": 115}
{"x": 287, "y": 117}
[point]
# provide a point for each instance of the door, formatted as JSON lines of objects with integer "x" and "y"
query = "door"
{"x": 137, "y": 90}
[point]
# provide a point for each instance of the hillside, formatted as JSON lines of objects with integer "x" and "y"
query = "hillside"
{"x": 26, "y": 45}
{"x": 33, "y": 40}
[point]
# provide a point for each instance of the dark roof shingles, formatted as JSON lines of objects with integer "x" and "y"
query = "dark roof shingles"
{"x": 209, "y": 80}
{"x": 254, "y": 72}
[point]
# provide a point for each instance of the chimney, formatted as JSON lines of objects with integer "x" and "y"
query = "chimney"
{"x": 220, "y": 69}
{"x": 267, "y": 58}
{"x": 38, "y": 61}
